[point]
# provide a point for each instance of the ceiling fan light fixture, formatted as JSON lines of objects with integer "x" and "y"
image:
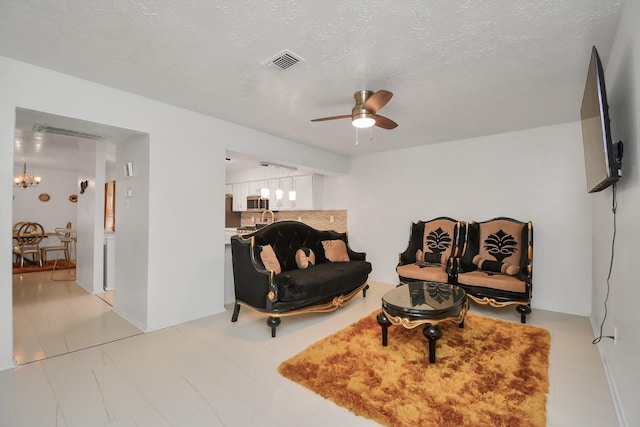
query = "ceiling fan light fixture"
{"x": 363, "y": 120}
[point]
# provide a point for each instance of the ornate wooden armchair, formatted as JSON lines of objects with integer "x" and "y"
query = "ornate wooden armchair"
{"x": 432, "y": 247}
{"x": 496, "y": 263}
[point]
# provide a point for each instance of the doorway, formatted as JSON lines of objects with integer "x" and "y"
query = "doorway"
{"x": 89, "y": 152}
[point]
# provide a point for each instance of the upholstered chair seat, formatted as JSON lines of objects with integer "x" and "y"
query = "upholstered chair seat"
{"x": 491, "y": 280}
{"x": 415, "y": 272}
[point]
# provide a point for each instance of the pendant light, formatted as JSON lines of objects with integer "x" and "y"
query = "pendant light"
{"x": 264, "y": 191}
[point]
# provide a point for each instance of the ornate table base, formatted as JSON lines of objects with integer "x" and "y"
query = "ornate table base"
{"x": 431, "y": 330}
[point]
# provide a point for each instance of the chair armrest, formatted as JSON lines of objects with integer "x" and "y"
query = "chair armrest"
{"x": 460, "y": 266}
{"x": 416, "y": 230}
{"x": 356, "y": 256}
{"x": 406, "y": 258}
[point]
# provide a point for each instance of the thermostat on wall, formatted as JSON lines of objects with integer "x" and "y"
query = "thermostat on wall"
{"x": 128, "y": 169}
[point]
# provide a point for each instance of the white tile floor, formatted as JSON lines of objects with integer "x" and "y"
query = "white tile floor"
{"x": 52, "y": 318}
{"x": 211, "y": 372}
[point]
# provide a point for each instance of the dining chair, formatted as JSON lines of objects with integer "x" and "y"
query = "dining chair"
{"x": 16, "y": 227}
{"x": 68, "y": 239}
{"x": 63, "y": 247}
{"x": 15, "y": 247}
{"x": 29, "y": 236}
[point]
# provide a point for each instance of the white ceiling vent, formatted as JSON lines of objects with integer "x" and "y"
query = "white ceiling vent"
{"x": 282, "y": 61}
{"x": 66, "y": 132}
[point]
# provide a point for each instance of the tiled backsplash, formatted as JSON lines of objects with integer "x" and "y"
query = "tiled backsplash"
{"x": 320, "y": 220}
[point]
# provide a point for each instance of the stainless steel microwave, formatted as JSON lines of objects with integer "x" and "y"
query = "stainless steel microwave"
{"x": 256, "y": 204}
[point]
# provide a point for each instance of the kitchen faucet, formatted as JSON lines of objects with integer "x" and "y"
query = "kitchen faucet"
{"x": 273, "y": 216}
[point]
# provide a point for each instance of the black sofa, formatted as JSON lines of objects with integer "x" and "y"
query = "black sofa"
{"x": 282, "y": 288}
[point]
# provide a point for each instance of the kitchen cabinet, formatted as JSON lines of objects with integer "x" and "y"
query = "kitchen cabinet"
{"x": 240, "y": 192}
{"x": 273, "y": 185}
{"x": 255, "y": 186}
{"x": 285, "y": 185}
{"x": 308, "y": 192}
{"x": 231, "y": 218}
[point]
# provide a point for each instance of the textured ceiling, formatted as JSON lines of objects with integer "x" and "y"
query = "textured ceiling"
{"x": 457, "y": 69}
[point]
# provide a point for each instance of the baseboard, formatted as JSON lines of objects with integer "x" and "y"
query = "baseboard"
{"x": 11, "y": 365}
{"x": 129, "y": 319}
{"x": 617, "y": 405}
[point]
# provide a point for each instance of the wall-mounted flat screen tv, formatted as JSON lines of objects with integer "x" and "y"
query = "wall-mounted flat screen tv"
{"x": 601, "y": 159}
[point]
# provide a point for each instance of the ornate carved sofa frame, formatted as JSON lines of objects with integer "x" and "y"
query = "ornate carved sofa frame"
{"x": 491, "y": 260}
{"x": 282, "y": 287}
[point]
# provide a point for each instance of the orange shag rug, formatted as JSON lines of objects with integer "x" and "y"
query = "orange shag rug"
{"x": 47, "y": 266}
{"x": 491, "y": 373}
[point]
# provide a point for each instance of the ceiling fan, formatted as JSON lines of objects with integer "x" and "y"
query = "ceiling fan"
{"x": 365, "y": 112}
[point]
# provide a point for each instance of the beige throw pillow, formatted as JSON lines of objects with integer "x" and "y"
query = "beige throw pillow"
{"x": 335, "y": 250}
{"x": 269, "y": 259}
{"x": 305, "y": 258}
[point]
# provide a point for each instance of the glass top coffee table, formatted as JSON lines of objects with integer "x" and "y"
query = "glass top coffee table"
{"x": 423, "y": 303}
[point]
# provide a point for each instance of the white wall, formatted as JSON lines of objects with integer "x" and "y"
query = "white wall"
{"x": 7, "y": 126}
{"x": 534, "y": 175}
{"x": 183, "y": 147}
{"x": 132, "y": 230}
{"x": 90, "y": 232}
{"x": 623, "y": 90}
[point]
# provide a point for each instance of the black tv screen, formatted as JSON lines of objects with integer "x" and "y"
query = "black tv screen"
{"x": 600, "y": 159}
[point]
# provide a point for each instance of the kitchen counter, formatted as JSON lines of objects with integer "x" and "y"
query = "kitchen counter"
{"x": 228, "y": 232}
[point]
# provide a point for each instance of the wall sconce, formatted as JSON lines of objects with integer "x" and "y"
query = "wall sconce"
{"x": 83, "y": 186}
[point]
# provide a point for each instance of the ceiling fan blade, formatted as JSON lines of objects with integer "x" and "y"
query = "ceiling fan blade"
{"x": 322, "y": 119}
{"x": 377, "y": 100}
{"x": 385, "y": 123}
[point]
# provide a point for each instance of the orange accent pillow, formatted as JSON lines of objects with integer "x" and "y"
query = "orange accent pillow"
{"x": 335, "y": 250}
{"x": 269, "y": 259}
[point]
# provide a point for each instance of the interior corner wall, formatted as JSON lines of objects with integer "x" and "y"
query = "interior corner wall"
{"x": 533, "y": 175}
{"x": 7, "y": 131}
{"x": 623, "y": 95}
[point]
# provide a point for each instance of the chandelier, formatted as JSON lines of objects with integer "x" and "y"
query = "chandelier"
{"x": 23, "y": 180}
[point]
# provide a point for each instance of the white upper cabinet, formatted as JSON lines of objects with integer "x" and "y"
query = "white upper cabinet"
{"x": 283, "y": 184}
{"x": 255, "y": 186}
{"x": 308, "y": 191}
{"x": 240, "y": 192}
